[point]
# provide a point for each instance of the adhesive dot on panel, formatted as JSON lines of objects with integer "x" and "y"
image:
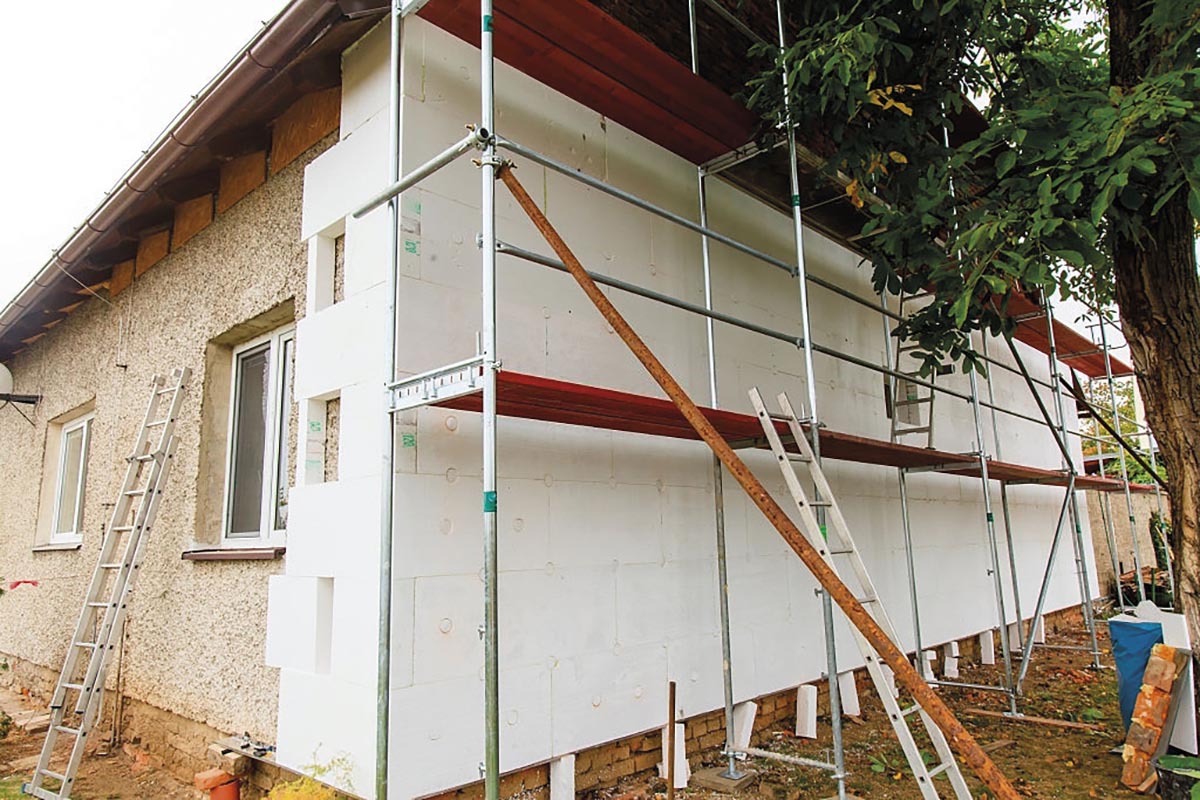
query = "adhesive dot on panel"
{"x": 452, "y": 423}
{"x": 518, "y": 524}
{"x": 550, "y": 568}
{"x": 551, "y": 662}
{"x": 446, "y": 526}
{"x": 446, "y": 625}
{"x": 694, "y": 677}
{"x": 638, "y": 692}
{"x": 451, "y": 475}
{"x": 548, "y": 479}
{"x": 512, "y": 717}
{"x": 596, "y": 701}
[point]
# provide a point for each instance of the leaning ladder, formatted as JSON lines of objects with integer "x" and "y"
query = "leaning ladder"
{"x": 843, "y": 545}
{"x": 907, "y": 397}
{"x": 78, "y": 697}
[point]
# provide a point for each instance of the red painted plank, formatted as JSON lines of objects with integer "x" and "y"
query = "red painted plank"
{"x": 549, "y": 400}
{"x": 580, "y": 51}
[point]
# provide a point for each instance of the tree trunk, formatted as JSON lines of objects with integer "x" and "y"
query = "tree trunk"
{"x": 1158, "y": 292}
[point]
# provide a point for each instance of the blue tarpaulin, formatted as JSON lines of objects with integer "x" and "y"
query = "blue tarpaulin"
{"x": 1131, "y": 642}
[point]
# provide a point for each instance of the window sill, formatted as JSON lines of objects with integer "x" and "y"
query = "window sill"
{"x": 51, "y": 547}
{"x": 234, "y": 554}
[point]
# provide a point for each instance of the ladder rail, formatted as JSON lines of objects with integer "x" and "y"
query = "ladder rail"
{"x": 107, "y": 597}
{"x": 871, "y": 601}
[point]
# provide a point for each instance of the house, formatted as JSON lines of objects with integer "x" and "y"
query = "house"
{"x": 233, "y": 248}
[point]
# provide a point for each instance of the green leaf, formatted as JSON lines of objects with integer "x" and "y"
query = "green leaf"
{"x": 1005, "y": 162}
{"x": 1146, "y": 166}
{"x": 1194, "y": 202}
{"x": 960, "y": 307}
{"x": 1045, "y": 191}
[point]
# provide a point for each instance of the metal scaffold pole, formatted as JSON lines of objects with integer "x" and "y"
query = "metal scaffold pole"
{"x": 1085, "y": 593}
{"x": 1006, "y": 513}
{"x": 732, "y": 772}
{"x": 491, "y": 639}
{"x": 1112, "y": 397}
{"x": 384, "y": 664}
{"x": 835, "y": 706}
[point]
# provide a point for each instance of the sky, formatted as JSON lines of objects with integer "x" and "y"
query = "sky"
{"x": 86, "y": 86}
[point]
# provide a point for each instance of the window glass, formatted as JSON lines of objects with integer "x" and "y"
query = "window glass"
{"x": 283, "y": 439}
{"x": 69, "y": 503}
{"x": 250, "y": 426}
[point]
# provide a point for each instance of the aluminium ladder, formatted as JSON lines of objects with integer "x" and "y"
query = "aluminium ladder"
{"x": 78, "y": 697}
{"x": 842, "y": 544}
{"x": 908, "y": 398}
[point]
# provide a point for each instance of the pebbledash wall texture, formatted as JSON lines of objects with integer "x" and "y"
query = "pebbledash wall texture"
{"x": 608, "y": 586}
{"x": 195, "y": 635}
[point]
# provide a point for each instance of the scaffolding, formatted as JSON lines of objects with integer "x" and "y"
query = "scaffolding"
{"x": 477, "y": 384}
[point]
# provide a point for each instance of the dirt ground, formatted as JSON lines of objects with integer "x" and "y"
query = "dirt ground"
{"x": 1042, "y": 761}
{"x": 102, "y": 775}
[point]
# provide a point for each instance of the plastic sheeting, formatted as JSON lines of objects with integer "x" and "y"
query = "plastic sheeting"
{"x": 1131, "y": 643}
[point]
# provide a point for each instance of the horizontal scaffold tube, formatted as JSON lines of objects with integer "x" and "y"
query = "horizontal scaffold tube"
{"x": 471, "y": 141}
{"x": 906, "y": 675}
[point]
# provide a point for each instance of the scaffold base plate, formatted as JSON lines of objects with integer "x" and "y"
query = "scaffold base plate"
{"x": 712, "y": 778}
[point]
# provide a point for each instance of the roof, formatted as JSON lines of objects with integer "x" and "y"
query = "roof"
{"x": 295, "y": 55}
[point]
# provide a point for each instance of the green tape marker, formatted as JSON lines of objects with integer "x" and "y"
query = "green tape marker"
{"x": 489, "y": 502}
{"x": 825, "y": 532}
{"x": 990, "y": 518}
{"x": 487, "y": 23}
{"x": 795, "y": 201}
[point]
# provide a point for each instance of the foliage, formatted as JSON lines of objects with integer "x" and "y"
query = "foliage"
{"x": 1130, "y": 428}
{"x": 6, "y": 724}
{"x": 304, "y": 788}
{"x": 1028, "y": 203}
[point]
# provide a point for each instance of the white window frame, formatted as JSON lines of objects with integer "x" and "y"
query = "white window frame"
{"x": 84, "y": 423}
{"x": 268, "y": 535}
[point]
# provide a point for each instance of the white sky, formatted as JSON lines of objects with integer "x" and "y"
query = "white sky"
{"x": 86, "y": 86}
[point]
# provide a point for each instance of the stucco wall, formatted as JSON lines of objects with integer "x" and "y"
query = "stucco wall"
{"x": 1143, "y": 506}
{"x": 195, "y": 636}
{"x": 608, "y": 581}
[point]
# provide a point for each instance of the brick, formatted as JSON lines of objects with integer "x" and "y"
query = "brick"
{"x": 1160, "y": 673}
{"x": 1136, "y": 768}
{"x": 1151, "y": 707}
{"x": 1142, "y": 738}
{"x": 645, "y": 761}
{"x": 211, "y": 779}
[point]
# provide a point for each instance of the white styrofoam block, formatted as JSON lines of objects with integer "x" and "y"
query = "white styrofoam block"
{"x": 928, "y": 659}
{"x": 562, "y": 778}
{"x": 365, "y": 85}
{"x": 987, "y": 648}
{"x": 326, "y": 722}
{"x": 299, "y": 622}
{"x": 1014, "y": 632}
{"x": 950, "y": 667}
{"x": 339, "y": 180}
{"x": 324, "y": 362}
{"x": 333, "y": 528}
{"x": 657, "y": 601}
{"x": 743, "y": 723}
{"x": 447, "y": 615}
{"x": 1039, "y": 631}
{"x": 848, "y": 690}
{"x": 603, "y": 696}
{"x": 806, "y": 711}
{"x": 952, "y": 649}
{"x": 362, "y": 432}
{"x": 683, "y": 771}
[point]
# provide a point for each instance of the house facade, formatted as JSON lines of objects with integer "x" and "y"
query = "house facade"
{"x": 257, "y": 608}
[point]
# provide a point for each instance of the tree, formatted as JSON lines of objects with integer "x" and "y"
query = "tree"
{"x": 1084, "y": 183}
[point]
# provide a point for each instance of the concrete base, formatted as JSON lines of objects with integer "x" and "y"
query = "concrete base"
{"x": 712, "y": 778}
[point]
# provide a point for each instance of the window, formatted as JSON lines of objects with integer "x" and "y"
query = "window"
{"x": 260, "y": 439}
{"x": 67, "y": 517}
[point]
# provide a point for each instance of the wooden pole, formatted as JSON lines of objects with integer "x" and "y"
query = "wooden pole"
{"x": 671, "y": 740}
{"x": 959, "y": 739}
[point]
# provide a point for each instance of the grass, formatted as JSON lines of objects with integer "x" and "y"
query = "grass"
{"x": 10, "y": 788}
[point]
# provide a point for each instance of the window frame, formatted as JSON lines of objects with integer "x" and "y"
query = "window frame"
{"x": 268, "y": 535}
{"x": 82, "y": 422}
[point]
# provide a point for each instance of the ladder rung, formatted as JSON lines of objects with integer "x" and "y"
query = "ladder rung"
{"x": 844, "y": 552}
{"x": 145, "y": 457}
{"x": 800, "y": 457}
{"x": 167, "y": 390}
{"x": 134, "y": 492}
{"x": 821, "y": 503}
{"x": 939, "y": 769}
{"x": 66, "y": 729}
{"x": 75, "y": 686}
{"x": 867, "y": 600}
{"x": 902, "y": 431}
{"x": 49, "y": 773}
{"x": 157, "y": 423}
{"x": 89, "y": 645}
{"x": 121, "y": 528}
{"x": 99, "y": 605}
{"x": 914, "y": 401}
{"x": 914, "y": 708}
{"x": 117, "y": 565}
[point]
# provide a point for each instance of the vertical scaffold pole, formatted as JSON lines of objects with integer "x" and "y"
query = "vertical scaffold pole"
{"x": 732, "y": 772}
{"x": 1112, "y": 396}
{"x": 1085, "y": 592}
{"x": 1004, "y": 510}
{"x": 491, "y": 636}
{"x": 384, "y": 662}
{"x": 835, "y": 704}
{"x": 1159, "y": 504}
